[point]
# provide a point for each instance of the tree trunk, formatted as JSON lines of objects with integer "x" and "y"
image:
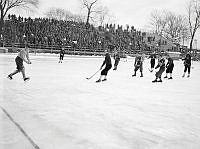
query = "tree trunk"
{"x": 1, "y": 25}
{"x": 88, "y": 17}
{"x": 1, "y": 31}
{"x": 191, "y": 41}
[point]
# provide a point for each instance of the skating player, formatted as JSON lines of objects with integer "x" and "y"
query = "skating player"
{"x": 23, "y": 55}
{"x": 161, "y": 65}
{"x": 187, "y": 64}
{"x": 62, "y": 53}
{"x": 108, "y": 65}
{"x": 138, "y": 65}
{"x": 170, "y": 67}
{"x": 152, "y": 61}
{"x": 117, "y": 59}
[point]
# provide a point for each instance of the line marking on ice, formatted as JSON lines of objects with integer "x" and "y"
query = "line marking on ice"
{"x": 21, "y": 129}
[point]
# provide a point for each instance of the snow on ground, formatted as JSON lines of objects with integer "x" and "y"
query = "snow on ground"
{"x": 60, "y": 109}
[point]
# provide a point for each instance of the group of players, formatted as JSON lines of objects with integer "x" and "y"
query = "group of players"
{"x": 168, "y": 68}
{"x": 23, "y": 55}
{"x": 138, "y": 65}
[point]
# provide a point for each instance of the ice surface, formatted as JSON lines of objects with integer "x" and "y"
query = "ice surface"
{"x": 60, "y": 109}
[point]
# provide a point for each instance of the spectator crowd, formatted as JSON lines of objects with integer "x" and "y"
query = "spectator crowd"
{"x": 51, "y": 32}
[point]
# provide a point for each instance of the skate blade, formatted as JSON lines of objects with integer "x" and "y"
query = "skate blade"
{"x": 27, "y": 80}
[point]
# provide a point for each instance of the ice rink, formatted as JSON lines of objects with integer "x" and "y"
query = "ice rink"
{"x": 60, "y": 109}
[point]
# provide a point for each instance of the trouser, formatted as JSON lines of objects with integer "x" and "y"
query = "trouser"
{"x": 187, "y": 68}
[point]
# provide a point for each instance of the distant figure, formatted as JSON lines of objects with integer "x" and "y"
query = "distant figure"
{"x": 161, "y": 65}
{"x": 187, "y": 64}
{"x": 138, "y": 65}
{"x": 23, "y": 55}
{"x": 117, "y": 59}
{"x": 108, "y": 65}
{"x": 152, "y": 61}
{"x": 170, "y": 67}
{"x": 62, "y": 53}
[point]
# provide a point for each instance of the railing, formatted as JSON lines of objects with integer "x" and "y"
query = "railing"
{"x": 70, "y": 50}
{"x": 41, "y": 48}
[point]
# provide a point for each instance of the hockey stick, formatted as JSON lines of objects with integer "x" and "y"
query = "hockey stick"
{"x": 93, "y": 75}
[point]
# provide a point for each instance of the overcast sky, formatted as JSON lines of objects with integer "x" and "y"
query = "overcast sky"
{"x": 133, "y": 12}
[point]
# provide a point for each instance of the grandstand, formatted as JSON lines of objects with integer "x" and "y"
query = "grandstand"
{"x": 49, "y": 36}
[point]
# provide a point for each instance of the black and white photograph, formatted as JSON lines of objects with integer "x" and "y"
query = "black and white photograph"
{"x": 99, "y": 74}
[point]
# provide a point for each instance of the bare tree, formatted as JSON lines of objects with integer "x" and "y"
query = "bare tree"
{"x": 91, "y": 6}
{"x": 176, "y": 27}
{"x": 184, "y": 35}
{"x": 193, "y": 19}
{"x": 168, "y": 24}
{"x": 102, "y": 17}
{"x": 7, "y": 5}
{"x": 105, "y": 17}
{"x": 158, "y": 21}
{"x": 62, "y": 14}
{"x": 77, "y": 18}
{"x": 57, "y": 13}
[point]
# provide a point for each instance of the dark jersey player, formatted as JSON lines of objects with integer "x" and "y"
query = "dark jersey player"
{"x": 108, "y": 65}
{"x": 169, "y": 67}
{"x": 62, "y": 53}
{"x": 187, "y": 64}
{"x": 152, "y": 61}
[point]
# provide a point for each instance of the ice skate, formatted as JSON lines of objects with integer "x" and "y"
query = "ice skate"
{"x": 104, "y": 79}
{"x": 10, "y": 77}
{"x": 26, "y": 79}
{"x": 170, "y": 78}
{"x": 160, "y": 80}
{"x": 188, "y": 75}
{"x": 151, "y": 70}
{"x": 165, "y": 77}
{"x": 134, "y": 74}
{"x": 183, "y": 75}
{"x": 155, "y": 80}
{"x": 98, "y": 81}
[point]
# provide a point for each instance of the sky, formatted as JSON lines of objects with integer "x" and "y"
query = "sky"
{"x": 133, "y": 12}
